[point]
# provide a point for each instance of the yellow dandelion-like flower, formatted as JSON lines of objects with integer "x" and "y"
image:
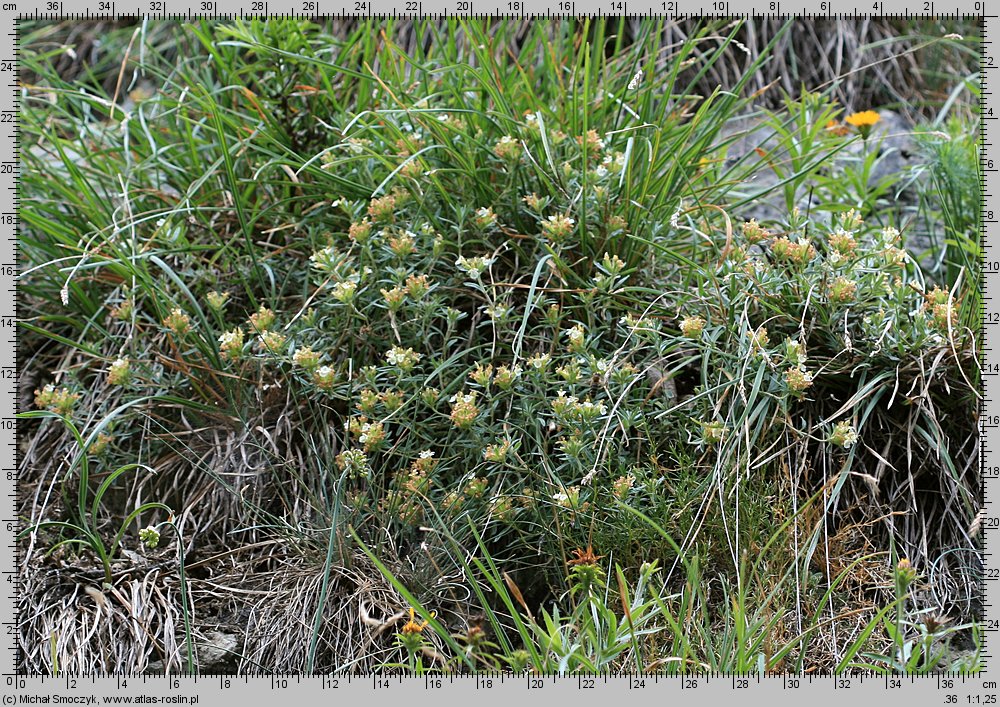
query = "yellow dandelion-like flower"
{"x": 835, "y": 128}
{"x": 865, "y": 117}
{"x": 863, "y": 121}
{"x": 412, "y": 626}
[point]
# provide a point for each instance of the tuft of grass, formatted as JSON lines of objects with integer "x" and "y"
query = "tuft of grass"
{"x": 441, "y": 316}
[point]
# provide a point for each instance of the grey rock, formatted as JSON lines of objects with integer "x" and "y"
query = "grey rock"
{"x": 752, "y": 146}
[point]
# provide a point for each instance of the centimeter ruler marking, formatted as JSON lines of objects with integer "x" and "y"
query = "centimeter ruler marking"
{"x": 10, "y": 307}
{"x": 989, "y": 450}
{"x": 511, "y": 9}
{"x": 976, "y": 690}
{"x": 985, "y": 195}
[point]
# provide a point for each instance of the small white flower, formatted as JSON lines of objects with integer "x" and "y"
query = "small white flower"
{"x": 405, "y": 359}
{"x": 473, "y": 266}
{"x": 344, "y": 290}
{"x": 325, "y": 259}
{"x": 539, "y": 361}
{"x": 497, "y": 311}
{"x": 576, "y": 336}
{"x": 890, "y": 236}
{"x": 844, "y": 435}
{"x": 119, "y": 372}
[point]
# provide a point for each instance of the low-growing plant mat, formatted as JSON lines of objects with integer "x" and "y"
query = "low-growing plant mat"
{"x": 465, "y": 345}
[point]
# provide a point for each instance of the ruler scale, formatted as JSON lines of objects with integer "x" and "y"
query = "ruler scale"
{"x": 942, "y": 689}
{"x": 9, "y": 390}
{"x": 989, "y": 456}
